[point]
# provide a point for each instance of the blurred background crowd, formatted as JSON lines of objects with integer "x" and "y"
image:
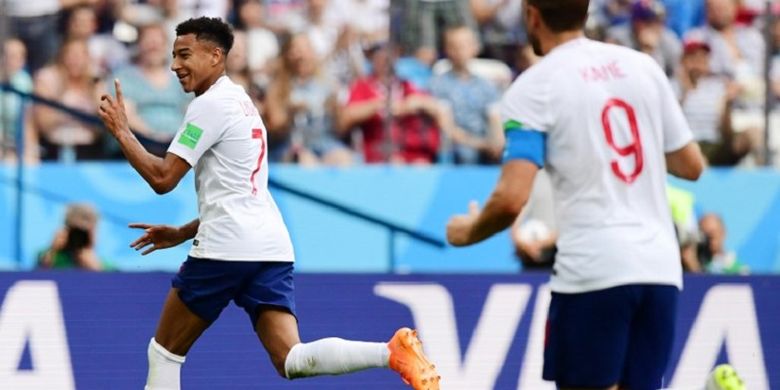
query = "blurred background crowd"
{"x": 343, "y": 82}
{"x": 348, "y": 82}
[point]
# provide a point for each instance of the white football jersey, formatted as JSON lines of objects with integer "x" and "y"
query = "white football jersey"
{"x": 225, "y": 140}
{"x": 609, "y": 115}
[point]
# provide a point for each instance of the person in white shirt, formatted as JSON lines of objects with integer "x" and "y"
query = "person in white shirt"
{"x": 241, "y": 249}
{"x": 605, "y": 123}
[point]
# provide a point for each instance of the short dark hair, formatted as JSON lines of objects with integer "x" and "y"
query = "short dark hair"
{"x": 209, "y": 29}
{"x": 562, "y": 15}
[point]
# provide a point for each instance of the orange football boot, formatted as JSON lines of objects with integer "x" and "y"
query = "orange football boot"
{"x": 408, "y": 359}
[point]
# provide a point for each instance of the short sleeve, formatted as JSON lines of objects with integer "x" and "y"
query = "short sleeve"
{"x": 676, "y": 131}
{"x": 200, "y": 130}
{"x": 526, "y": 119}
{"x": 525, "y": 105}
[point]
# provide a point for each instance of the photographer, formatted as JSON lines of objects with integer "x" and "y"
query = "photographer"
{"x": 73, "y": 244}
{"x": 714, "y": 257}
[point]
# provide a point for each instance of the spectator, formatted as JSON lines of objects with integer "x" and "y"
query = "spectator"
{"x": 775, "y": 65}
{"x": 706, "y": 99}
{"x": 414, "y": 118}
{"x": 11, "y": 105}
{"x": 301, "y": 109}
{"x": 168, "y": 12}
{"x": 737, "y": 50}
{"x": 321, "y": 30}
{"x": 534, "y": 233}
{"x": 237, "y": 68}
{"x": 154, "y": 100}
{"x": 262, "y": 47}
{"x": 35, "y": 24}
{"x": 647, "y": 33}
{"x": 369, "y": 20}
{"x": 107, "y": 53}
{"x": 501, "y": 27}
{"x": 335, "y": 42}
{"x": 713, "y": 255}
{"x": 194, "y": 8}
{"x": 614, "y": 12}
{"x": 68, "y": 81}
{"x": 424, "y": 22}
{"x": 285, "y": 16}
{"x": 478, "y": 136}
{"x": 73, "y": 245}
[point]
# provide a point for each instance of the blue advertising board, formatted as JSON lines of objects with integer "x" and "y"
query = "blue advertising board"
{"x": 78, "y": 330}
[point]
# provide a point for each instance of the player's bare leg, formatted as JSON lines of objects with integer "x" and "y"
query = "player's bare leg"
{"x": 178, "y": 327}
{"x": 278, "y": 331}
{"x": 176, "y": 332}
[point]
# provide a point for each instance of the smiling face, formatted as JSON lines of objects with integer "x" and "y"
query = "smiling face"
{"x": 197, "y": 63}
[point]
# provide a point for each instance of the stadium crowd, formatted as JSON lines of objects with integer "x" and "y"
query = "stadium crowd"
{"x": 344, "y": 82}
{"x": 320, "y": 71}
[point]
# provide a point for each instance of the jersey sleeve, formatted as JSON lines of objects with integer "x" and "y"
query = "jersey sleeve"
{"x": 676, "y": 131}
{"x": 526, "y": 119}
{"x": 200, "y": 130}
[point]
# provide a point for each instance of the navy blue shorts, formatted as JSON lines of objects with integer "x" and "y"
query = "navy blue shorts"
{"x": 207, "y": 286}
{"x": 621, "y": 335}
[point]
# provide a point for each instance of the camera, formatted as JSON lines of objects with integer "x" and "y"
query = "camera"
{"x": 704, "y": 250}
{"x": 77, "y": 239}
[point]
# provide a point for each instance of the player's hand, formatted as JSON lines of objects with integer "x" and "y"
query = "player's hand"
{"x": 158, "y": 236}
{"x": 112, "y": 111}
{"x": 459, "y": 226}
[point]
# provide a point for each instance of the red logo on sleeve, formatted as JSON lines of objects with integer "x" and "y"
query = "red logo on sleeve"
{"x": 257, "y": 133}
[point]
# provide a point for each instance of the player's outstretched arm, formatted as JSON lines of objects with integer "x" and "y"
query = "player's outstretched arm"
{"x": 162, "y": 236}
{"x": 502, "y": 208}
{"x": 162, "y": 174}
{"x": 686, "y": 162}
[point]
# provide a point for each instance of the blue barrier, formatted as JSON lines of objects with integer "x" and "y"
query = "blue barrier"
{"x": 77, "y": 330}
{"x": 326, "y": 240}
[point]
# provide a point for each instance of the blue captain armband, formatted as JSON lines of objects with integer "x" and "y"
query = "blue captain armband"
{"x": 523, "y": 143}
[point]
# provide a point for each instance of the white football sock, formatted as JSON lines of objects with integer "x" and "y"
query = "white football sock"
{"x": 164, "y": 368}
{"x": 334, "y": 356}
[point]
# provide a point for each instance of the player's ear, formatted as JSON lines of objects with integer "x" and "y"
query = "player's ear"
{"x": 216, "y": 56}
{"x": 531, "y": 15}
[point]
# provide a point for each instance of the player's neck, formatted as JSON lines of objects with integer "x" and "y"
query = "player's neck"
{"x": 558, "y": 39}
{"x": 209, "y": 82}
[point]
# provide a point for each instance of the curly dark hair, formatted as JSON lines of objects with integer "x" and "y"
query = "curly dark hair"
{"x": 210, "y": 29}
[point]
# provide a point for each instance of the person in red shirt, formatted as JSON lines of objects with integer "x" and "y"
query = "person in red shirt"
{"x": 416, "y": 119}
